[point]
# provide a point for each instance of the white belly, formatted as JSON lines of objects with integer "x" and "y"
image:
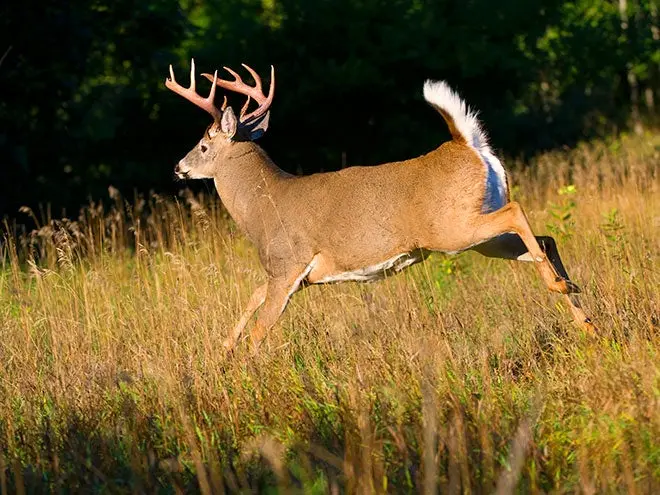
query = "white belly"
{"x": 378, "y": 271}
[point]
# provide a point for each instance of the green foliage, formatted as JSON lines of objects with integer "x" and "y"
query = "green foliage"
{"x": 563, "y": 224}
{"x": 612, "y": 226}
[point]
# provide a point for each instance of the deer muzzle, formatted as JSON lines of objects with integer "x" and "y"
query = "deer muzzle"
{"x": 181, "y": 171}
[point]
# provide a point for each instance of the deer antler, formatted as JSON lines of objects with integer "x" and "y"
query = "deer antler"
{"x": 252, "y": 92}
{"x": 191, "y": 95}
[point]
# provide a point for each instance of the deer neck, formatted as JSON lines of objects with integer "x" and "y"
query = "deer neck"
{"x": 246, "y": 181}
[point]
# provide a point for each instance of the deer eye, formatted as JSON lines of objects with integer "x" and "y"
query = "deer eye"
{"x": 204, "y": 148}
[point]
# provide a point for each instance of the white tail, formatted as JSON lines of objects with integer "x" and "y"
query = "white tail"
{"x": 362, "y": 223}
{"x": 465, "y": 125}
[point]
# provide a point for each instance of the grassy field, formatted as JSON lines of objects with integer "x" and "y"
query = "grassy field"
{"x": 462, "y": 374}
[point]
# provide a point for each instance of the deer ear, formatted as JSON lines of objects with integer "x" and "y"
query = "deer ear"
{"x": 229, "y": 123}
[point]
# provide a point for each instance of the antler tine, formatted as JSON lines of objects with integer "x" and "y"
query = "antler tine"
{"x": 191, "y": 95}
{"x": 271, "y": 88}
{"x": 192, "y": 86}
{"x": 211, "y": 96}
{"x": 254, "y": 92}
{"x": 237, "y": 77}
{"x": 245, "y": 107}
{"x": 255, "y": 76}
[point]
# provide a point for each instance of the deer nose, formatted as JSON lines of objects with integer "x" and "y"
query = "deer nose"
{"x": 180, "y": 170}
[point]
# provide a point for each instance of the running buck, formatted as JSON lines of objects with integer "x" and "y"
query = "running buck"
{"x": 360, "y": 223}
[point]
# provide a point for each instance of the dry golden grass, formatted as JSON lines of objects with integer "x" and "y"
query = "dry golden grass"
{"x": 463, "y": 374}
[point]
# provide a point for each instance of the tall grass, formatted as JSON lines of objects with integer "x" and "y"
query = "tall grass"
{"x": 462, "y": 375}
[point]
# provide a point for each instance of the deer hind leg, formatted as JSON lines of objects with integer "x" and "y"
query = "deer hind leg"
{"x": 511, "y": 246}
{"x": 256, "y": 300}
{"x": 549, "y": 246}
{"x": 511, "y": 218}
{"x": 277, "y": 297}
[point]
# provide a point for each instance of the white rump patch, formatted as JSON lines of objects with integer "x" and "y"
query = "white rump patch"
{"x": 378, "y": 271}
{"x": 439, "y": 94}
{"x": 495, "y": 197}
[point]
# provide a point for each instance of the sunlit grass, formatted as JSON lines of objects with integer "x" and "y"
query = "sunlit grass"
{"x": 462, "y": 374}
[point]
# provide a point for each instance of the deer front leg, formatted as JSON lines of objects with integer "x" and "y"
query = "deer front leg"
{"x": 277, "y": 297}
{"x": 256, "y": 300}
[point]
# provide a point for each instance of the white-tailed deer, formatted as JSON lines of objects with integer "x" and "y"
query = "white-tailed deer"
{"x": 361, "y": 223}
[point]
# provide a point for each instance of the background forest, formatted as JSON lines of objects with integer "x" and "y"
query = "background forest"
{"x": 84, "y": 106}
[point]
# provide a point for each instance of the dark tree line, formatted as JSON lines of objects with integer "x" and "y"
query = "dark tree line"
{"x": 83, "y": 105}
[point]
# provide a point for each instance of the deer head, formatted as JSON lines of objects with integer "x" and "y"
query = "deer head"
{"x": 216, "y": 145}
